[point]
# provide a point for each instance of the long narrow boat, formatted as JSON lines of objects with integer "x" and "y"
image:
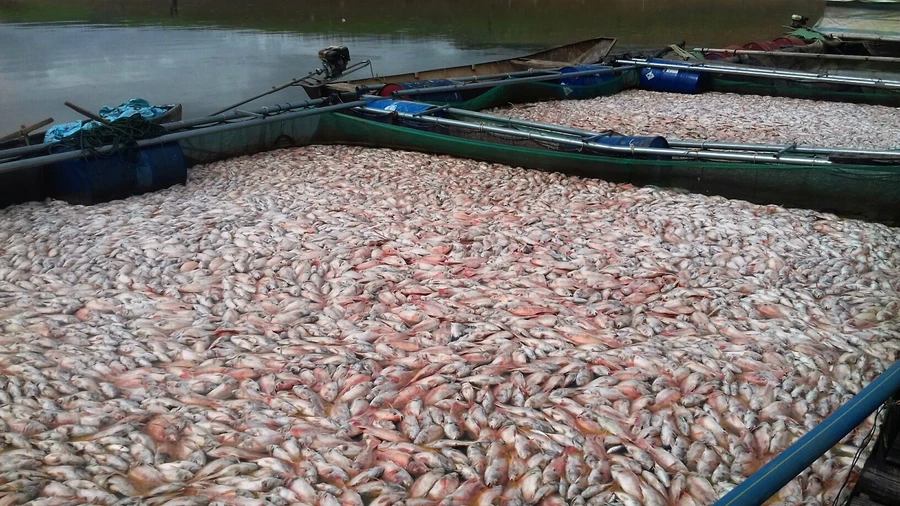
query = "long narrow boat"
{"x": 874, "y": 25}
{"x": 848, "y": 182}
{"x": 854, "y": 38}
{"x": 775, "y": 72}
{"x": 507, "y": 78}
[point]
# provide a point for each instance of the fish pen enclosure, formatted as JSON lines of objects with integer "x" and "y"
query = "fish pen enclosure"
{"x": 871, "y": 192}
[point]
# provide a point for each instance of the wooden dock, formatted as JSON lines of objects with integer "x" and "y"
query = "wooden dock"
{"x": 879, "y": 482}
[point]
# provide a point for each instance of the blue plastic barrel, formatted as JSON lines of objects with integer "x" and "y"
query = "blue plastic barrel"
{"x": 586, "y": 80}
{"x": 103, "y": 178}
{"x": 446, "y": 96}
{"x": 670, "y": 80}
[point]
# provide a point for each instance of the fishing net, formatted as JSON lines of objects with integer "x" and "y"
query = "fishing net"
{"x": 866, "y": 191}
{"x": 274, "y": 133}
{"x": 811, "y": 91}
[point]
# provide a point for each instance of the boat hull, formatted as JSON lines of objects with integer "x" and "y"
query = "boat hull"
{"x": 525, "y": 93}
{"x": 582, "y": 52}
{"x": 863, "y": 191}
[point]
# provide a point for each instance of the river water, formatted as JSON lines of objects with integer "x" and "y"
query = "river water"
{"x": 212, "y": 53}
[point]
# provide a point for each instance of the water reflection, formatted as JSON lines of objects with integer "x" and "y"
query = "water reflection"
{"x": 210, "y": 53}
{"x": 203, "y": 69}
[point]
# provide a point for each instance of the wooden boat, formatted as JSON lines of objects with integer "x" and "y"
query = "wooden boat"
{"x": 872, "y": 25}
{"x": 846, "y": 184}
{"x": 28, "y": 137}
{"x": 548, "y": 62}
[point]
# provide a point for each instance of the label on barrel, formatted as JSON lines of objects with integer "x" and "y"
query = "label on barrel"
{"x": 649, "y": 75}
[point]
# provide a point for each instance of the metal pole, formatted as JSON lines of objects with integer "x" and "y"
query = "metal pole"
{"x": 812, "y": 150}
{"x": 791, "y": 54}
{"x": 770, "y": 478}
{"x": 478, "y": 85}
{"x": 179, "y": 125}
{"x": 700, "y": 155}
{"x": 184, "y": 134}
{"x": 745, "y": 71}
{"x": 292, "y": 82}
{"x": 365, "y": 88}
{"x": 764, "y": 72}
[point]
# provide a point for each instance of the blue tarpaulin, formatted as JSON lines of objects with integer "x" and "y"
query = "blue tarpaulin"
{"x": 125, "y": 110}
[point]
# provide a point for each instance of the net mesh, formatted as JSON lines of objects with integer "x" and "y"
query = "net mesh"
{"x": 811, "y": 91}
{"x": 861, "y": 191}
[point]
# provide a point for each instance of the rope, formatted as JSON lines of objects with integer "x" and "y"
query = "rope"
{"x": 122, "y": 134}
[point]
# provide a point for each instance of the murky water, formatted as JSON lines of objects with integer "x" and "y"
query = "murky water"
{"x": 213, "y": 53}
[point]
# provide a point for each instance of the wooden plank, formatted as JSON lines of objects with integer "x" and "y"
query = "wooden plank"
{"x": 881, "y": 483}
{"x": 342, "y": 87}
{"x": 864, "y": 500}
{"x": 526, "y": 64}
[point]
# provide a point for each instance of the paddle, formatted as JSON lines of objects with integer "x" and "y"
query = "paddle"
{"x": 85, "y": 112}
{"x": 25, "y": 130}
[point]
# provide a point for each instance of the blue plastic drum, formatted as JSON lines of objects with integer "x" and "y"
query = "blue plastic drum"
{"x": 586, "y": 80}
{"x": 671, "y": 80}
{"x": 98, "y": 179}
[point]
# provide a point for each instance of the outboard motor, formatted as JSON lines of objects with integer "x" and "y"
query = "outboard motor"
{"x": 798, "y": 21}
{"x": 334, "y": 60}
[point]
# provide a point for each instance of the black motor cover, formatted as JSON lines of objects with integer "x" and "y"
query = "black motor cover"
{"x": 335, "y": 60}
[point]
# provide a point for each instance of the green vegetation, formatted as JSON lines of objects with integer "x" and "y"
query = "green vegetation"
{"x": 469, "y": 22}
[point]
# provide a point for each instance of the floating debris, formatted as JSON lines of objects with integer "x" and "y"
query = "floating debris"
{"x": 347, "y": 326}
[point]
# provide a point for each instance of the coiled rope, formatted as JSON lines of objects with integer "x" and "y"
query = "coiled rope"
{"x": 122, "y": 134}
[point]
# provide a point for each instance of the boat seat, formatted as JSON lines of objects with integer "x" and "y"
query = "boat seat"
{"x": 342, "y": 87}
{"x": 525, "y": 64}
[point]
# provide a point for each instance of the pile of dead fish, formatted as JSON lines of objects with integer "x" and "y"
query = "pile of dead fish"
{"x": 342, "y": 326}
{"x": 725, "y": 117}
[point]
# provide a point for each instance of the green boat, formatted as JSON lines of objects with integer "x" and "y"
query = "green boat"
{"x": 850, "y": 183}
{"x": 486, "y": 85}
{"x": 855, "y": 183}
